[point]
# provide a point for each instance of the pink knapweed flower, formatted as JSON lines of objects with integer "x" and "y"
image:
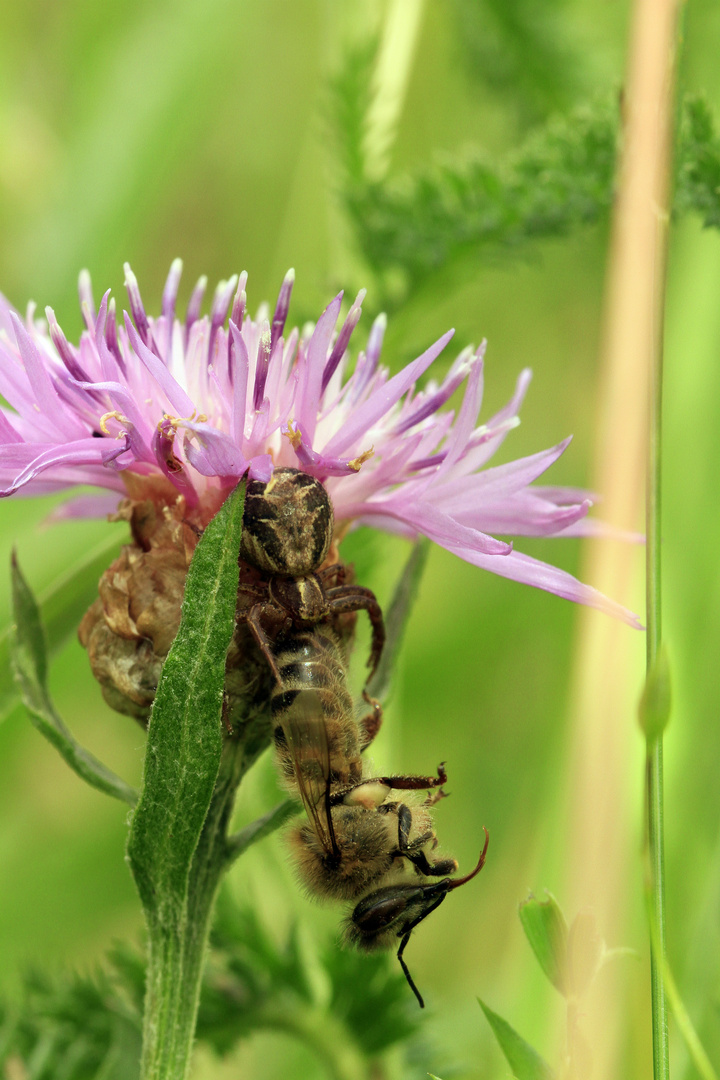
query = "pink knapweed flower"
{"x": 203, "y": 401}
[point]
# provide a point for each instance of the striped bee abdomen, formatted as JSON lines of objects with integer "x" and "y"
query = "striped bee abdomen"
{"x": 312, "y": 710}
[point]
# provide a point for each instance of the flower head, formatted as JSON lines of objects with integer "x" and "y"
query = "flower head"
{"x": 194, "y": 405}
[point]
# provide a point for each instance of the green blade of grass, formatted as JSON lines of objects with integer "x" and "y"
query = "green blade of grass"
{"x": 523, "y": 1059}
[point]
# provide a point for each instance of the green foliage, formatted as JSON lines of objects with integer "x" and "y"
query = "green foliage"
{"x": 75, "y": 1027}
{"x": 29, "y": 658}
{"x": 698, "y": 176}
{"x": 249, "y": 978}
{"x": 546, "y": 930}
{"x": 255, "y": 982}
{"x": 177, "y": 842}
{"x": 560, "y": 178}
{"x": 184, "y": 737}
{"x": 520, "y": 48}
{"x": 62, "y": 604}
{"x": 349, "y": 101}
{"x": 70, "y": 1028}
{"x": 371, "y": 997}
{"x": 525, "y": 1062}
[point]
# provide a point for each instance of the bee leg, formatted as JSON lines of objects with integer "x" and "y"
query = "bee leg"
{"x": 398, "y": 783}
{"x": 406, "y": 937}
{"x": 432, "y": 798}
{"x": 414, "y": 851}
{"x": 413, "y": 783}
{"x": 371, "y": 723}
{"x": 406, "y": 971}
{"x": 344, "y": 598}
{"x": 422, "y": 864}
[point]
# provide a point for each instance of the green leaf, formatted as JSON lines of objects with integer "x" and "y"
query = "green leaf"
{"x": 698, "y": 171}
{"x": 184, "y": 737}
{"x": 62, "y": 603}
{"x": 557, "y": 180}
{"x": 263, "y": 826}
{"x": 69, "y": 1027}
{"x": 523, "y": 1059}
{"x": 396, "y": 618}
{"x": 656, "y": 699}
{"x": 560, "y": 178}
{"x": 523, "y": 50}
{"x": 29, "y": 661}
{"x": 546, "y": 930}
{"x": 350, "y": 98}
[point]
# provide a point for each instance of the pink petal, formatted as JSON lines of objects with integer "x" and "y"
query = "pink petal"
{"x": 562, "y": 496}
{"x": 8, "y": 434}
{"x": 212, "y": 453}
{"x": 427, "y": 519}
{"x": 84, "y": 506}
{"x": 172, "y": 389}
{"x": 383, "y": 399}
{"x": 501, "y": 421}
{"x": 45, "y": 395}
{"x": 501, "y": 481}
{"x": 319, "y": 464}
{"x": 81, "y": 452}
{"x": 523, "y": 514}
{"x": 240, "y": 367}
{"x": 261, "y": 468}
{"x": 309, "y": 389}
{"x": 529, "y": 571}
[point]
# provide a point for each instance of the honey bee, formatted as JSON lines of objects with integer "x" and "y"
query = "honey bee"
{"x": 287, "y": 533}
{"x": 360, "y": 841}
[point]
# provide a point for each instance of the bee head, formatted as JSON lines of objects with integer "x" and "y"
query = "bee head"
{"x": 394, "y": 912}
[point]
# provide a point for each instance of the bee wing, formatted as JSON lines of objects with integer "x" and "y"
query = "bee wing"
{"x": 306, "y": 735}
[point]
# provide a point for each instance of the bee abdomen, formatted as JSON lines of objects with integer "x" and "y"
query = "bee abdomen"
{"x": 312, "y": 710}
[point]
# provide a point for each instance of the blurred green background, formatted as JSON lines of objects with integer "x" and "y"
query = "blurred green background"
{"x": 142, "y": 131}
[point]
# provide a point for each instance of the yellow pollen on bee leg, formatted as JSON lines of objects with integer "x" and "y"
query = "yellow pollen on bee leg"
{"x": 112, "y": 416}
{"x": 370, "y": 795}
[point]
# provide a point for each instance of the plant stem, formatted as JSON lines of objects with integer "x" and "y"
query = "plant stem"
{"x": 654, "y": 753}
{"x": 178, "y": 939}
{"x": 642, "y": 221}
